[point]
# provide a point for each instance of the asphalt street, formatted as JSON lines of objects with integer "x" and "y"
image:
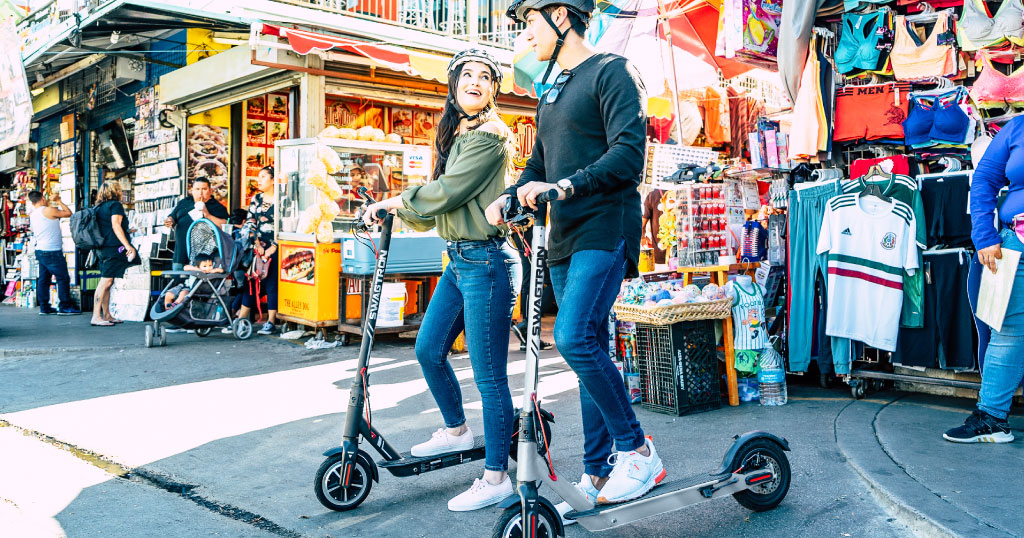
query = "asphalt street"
{"x": 213, "y": 437}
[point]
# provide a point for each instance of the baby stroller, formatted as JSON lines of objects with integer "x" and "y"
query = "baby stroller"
{"x": 206, "y": 306}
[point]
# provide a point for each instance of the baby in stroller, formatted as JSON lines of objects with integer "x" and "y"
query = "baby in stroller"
{"x": 214, "y": 278}
{"x": 177, "y": 294}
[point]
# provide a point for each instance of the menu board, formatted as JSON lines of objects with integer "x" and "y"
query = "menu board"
{"x": 266, "y": 121}
{"x": 208, "y": 155}
{"x": 415, "y": 125}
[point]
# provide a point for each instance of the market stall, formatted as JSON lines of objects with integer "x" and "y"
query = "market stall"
{"x": 326, "y": 263}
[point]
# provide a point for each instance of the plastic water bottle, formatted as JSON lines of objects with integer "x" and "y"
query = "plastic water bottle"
{"x": 772, "y": 377}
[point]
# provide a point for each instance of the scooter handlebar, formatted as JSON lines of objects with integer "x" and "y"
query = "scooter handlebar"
{"x": 547, "y": 196}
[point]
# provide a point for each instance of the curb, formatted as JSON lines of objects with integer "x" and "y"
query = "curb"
{"x": 913, "y": 505}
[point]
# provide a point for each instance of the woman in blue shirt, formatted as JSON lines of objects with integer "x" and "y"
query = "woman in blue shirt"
{"x": 1003, "y": 367}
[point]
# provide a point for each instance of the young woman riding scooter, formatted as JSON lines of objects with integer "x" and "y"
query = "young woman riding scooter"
{"x": 478, "y": 289}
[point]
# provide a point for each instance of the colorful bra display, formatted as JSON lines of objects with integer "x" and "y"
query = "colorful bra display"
{"x": 913, "y": 59}
{"x": 861, "y": 42}
{"x": 993, "y": 89}
{"x": 977, "y": 28}
{"x": 936, "y": 120}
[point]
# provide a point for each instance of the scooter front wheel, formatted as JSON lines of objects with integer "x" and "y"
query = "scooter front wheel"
{"x": 510, "y": 525}
{"x": 763, "y": 454}
{"x": 329, "y": 487}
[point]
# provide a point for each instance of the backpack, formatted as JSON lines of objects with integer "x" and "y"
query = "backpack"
{"x": 85, "y": 229}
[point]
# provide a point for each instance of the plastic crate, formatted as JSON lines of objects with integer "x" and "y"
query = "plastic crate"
{"x": 678, "y": 367}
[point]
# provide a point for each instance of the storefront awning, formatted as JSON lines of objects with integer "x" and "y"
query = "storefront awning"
{"x": 414, "y": 63}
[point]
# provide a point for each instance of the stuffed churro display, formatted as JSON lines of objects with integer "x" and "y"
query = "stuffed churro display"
{"x": 319, "y": 179}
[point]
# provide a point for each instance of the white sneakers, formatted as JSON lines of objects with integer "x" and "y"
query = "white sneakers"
{"x": 441, "y": 442}
{"x": 632, "y": 475}
{"x": 586, "y": 487}
{"x": 481, "y": 495}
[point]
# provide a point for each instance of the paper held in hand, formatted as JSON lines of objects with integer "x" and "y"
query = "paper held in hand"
{"x": 994, "y": 294}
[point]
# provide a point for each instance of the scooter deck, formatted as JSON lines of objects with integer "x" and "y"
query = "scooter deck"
{"x": 409, "y": 465}
{"x": 661, "y": 490}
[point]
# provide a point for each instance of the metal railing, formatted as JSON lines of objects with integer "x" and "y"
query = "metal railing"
{"x": 57, "y": 16}
{"x": 473, "y": 20}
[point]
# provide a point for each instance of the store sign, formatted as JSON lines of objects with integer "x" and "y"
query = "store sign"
{"x": 417, "y": 161}
{"x": 15, "y": 101}
{"x": 525, "y": 131}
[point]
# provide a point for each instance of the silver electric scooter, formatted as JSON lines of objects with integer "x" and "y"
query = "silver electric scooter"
{"x": 755, "y": 469}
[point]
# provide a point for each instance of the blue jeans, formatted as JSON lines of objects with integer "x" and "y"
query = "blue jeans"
{"x": 476, "y": 293}
{"x": 585, "y": 289}
{"x": 53, "y": 264}
{"x": 1004, "y": 359}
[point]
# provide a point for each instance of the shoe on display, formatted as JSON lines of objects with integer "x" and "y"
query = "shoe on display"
{"x": 586, "y": 487}
{"x": 481, "y": 495}
{"x": 980, "y": 427}
{"x": 633, "y": 475}
{"x": 441, "y": 442}
{"x": 267, "y": 328}
{"x": 69, "y": 312}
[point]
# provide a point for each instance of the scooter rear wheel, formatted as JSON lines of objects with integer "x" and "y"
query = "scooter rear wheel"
{"x": 767, "y": 455}
{"x": 332, "y": 494}
{"x": 510, "y": 525}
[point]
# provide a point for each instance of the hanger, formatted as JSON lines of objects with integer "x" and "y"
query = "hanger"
{"x": 928, "y": 14}
{"x": 872, "y": 189}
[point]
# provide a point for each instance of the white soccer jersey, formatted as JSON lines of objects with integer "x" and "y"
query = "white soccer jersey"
{"x": 869, "y": 243}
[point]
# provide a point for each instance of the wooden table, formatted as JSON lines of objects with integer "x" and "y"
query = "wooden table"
{"x": 719, "y": 275}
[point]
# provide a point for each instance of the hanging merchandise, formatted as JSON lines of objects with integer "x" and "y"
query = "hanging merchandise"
{"x": 747, "y": 313}
{"x": 944, "y": 197}
{"x": 903, "y": 189}
{"x": 936, "y": 120}
{"x": 977, "y": 28}
{"x": 812, "y": 112}
{"x": 749, "y": 31}
{"x": 871, "y": 112}
{"x": 856, "y": 5}
{"x": 993, "y": 89}
{"x": 755, "y": 239}
{"x": 690, "y": 123}
{"x": 869, "y": 241}
{"x": 915, "y": 57}
{"x": 777, "y": 239}
{"x": 946, "y": 338}
{"x": 716, "y": 117}
{"x": 865, "y": 42}
{"x": 893, "y": 164}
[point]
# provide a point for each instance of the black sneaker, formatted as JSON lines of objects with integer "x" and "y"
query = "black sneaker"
{"x": 981, "y": 427}
{"x": 544, "y": 346}
{"x": 69, "y": 312}
{"x": 46, "y": 312}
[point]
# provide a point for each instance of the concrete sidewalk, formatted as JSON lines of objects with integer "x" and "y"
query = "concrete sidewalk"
{"x": 937, "y": 488}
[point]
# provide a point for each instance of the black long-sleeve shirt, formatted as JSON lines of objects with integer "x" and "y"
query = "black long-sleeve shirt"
{"x": 594, "y": 134}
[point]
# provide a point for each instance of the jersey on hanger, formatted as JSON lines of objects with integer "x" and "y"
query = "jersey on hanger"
{"x": 869, "y": 243}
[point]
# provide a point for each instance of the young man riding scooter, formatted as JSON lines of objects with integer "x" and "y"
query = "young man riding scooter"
{"x": 591, "y": 131}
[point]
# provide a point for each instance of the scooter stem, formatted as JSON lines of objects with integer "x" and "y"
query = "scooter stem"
{"x": 529, "y": 436}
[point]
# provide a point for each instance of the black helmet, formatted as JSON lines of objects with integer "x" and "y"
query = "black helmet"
{"x": 476, "y": 55}
{"x": 582, "y": 8}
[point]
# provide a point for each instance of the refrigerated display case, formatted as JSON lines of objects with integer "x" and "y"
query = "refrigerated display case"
{"x": 315, "y": 223}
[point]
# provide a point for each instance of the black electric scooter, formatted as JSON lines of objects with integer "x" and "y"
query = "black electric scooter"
{"x": 344, "y": 479}
{"x": 755, "y": 469}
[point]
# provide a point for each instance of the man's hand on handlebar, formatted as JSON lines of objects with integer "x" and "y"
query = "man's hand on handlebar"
{"x": 528, "y": 193}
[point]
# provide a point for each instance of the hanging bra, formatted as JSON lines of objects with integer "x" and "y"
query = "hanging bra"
{"x": 976, "y": 29}
{"x": 993, "y": 89}
{"x": 936, "y": 119}
{"x": 858, "y": 43}
{"x": 912, "y": 60}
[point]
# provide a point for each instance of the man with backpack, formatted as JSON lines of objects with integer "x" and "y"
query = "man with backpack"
{"x": 49, "y": 249}
{"x": 591, "y": 135}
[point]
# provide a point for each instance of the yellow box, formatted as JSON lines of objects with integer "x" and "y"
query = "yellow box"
{"x": 308, "y": 275}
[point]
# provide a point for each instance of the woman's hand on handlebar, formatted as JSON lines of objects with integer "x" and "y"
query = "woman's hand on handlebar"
{"x": 495, "y": 211}
{"x": 528, "y": 193}
{"x": 370, "y": 214}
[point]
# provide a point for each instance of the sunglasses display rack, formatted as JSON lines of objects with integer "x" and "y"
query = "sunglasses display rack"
{"x": 664, "y": 159}
{"x": 702, "y": 227}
